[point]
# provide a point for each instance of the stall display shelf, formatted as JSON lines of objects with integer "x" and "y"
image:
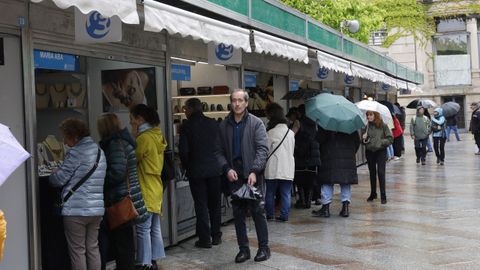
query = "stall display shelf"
{"x": 202, "y": 96}
{"x": 206, "y": 113}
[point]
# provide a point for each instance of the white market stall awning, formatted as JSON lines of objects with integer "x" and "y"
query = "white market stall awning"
{"x": 401, "y": 84}
{"x": 126, "y": 10}
{"x": 334, "y": 63}
{"x": 159, "y": 16}
{"x": 367, "y": 73}
{"x": 414, "y": 88}
{"x": 268, "y": 44}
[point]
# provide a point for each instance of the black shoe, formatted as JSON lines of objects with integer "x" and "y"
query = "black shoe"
{"x": 345, "y": 212}
{"x": 423, "y": 162}
{"x": 217, "y": 240}
{"x": 323, "y": 212}
{"x": 441, "y": 162}
{"x": 418, "y": 160}
{"x": 438, "y": 161}
{"x": 282, "y": 219}
{"x": 242, "y": 256}
{"x": 154, "y": 265}
{"x": 199, "y": 244}
{"x": 263, "y": 254}
{"x": 372, "y": 197}
{"x": 143, "y": 267}
{"x": 384, "y": 200}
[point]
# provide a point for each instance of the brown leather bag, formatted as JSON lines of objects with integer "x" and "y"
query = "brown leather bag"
{"x": 121, "y": 212}
{"x": 220, "y": 90}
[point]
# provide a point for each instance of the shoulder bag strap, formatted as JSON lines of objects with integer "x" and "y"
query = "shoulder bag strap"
{"x": 279, "y": 144}
{"x": 85, "y": 178}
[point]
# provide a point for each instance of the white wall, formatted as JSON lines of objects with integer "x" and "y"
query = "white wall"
{"x": 13, "y": 198}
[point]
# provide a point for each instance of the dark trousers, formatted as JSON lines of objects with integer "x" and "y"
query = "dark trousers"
{"x": 397, "y": 146}
{"x": 257, "y": 211}
{"x": 123, "y": 248}
{"x": 421, "y": 148}
{"x": 206, "y": 195}
{"x": 476, "y": 136}
{"x": 305, "y": 179}
{"x": 439, "y": 147}
{"x": 376, "y": 165}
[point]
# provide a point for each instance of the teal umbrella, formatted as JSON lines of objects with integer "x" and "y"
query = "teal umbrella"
{"x": 335, "y": 113}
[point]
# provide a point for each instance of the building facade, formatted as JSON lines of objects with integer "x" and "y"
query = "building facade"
{"x": 449, "y": 59}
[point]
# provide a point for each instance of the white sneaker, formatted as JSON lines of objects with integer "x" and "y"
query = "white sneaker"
{"x": 396, "y": 158}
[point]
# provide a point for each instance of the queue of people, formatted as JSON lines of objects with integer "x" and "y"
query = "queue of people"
{"x": 125, "y": 168}
{"x": 121, "y": 172}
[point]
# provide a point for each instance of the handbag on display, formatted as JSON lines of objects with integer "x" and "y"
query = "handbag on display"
{"x": 187, "y": 91}
{"x": 204, "y": 90}
{"x": 220, "y": 90}
{"x": 121, "y": 212}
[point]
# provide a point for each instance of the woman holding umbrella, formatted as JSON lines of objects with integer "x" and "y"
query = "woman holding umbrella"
{"x": 376, "y": 138}
{"x": 439, "y": 135}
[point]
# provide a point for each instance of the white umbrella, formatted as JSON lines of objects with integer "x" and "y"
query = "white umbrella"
{"x": 12, "y": 153}
{"x": 374, "y": 106}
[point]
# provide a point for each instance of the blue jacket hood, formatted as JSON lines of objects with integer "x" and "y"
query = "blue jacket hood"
{"x": 439, "y": 111}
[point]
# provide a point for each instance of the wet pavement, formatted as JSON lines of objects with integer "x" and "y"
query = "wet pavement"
{"x": 431, "y": 221}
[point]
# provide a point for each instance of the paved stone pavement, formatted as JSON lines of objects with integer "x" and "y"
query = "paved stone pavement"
{"x": 430, "y": 222}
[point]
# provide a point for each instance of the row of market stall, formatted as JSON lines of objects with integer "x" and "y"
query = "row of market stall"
{"x": 82, "y": 58}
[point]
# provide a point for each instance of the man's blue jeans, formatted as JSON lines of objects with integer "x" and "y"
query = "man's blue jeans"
{"x": 455, "y": 130}
{"x": 149, "y": 240}
{"x": 285, "y": 189}
{"x": 327, "y": 193}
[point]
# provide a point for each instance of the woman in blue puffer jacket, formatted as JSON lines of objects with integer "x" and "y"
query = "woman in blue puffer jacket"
{"x": 119, "y": 147}
{"x": 83, "y": 211}
{"x": 439, "y": 135}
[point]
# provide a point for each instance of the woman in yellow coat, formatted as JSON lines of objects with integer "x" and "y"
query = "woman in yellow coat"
{"x": 3, "y": 233}
{"x": 149, "y": 151}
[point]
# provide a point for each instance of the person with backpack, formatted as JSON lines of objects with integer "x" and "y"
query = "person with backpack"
{"x": 420, "y": 132}
{"x": 439, "y": 135}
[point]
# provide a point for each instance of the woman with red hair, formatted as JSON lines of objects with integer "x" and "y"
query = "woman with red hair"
{"x": 377, "y": 137}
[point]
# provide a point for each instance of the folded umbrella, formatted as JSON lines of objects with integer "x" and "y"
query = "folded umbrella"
{"x": 426, "y": 103}
{"x": 335, "y": 113}
{"x": 374, "y": 106}
{"x": 246, "y": 192}
{"x": 450, "y": 108}
{"x": 12, "y": 153}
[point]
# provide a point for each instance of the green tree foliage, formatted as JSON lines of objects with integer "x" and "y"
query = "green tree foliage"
{"x": 398, "y": 17}
{"x": 332, "y": 12}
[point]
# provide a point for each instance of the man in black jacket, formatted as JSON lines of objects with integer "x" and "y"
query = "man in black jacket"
{"x": 475, "y": 124}
{"x": 243, "y": 155}
{"x": 203, "y": 171}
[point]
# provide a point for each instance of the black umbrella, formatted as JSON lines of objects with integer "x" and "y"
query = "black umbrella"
{"x": 426, "y": 103}
{"x": 387, "y": 104}
{"x": 246, "y": 192}
{"x": 302, "y": 94}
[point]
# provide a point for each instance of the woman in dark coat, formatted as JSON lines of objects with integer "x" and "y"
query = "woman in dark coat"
{"x": 337, "y": 151}
{"x": 119, "y": 148}
{"x": 307, "y": 158}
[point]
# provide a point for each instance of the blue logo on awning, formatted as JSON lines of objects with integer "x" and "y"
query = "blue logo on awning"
{"x": 322, "y": 73}
{"x": 224, "y": 52}
{"x": 385, "y": 87}
{"x": 349, "y": 79}
{"x": 97, "y": 26}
